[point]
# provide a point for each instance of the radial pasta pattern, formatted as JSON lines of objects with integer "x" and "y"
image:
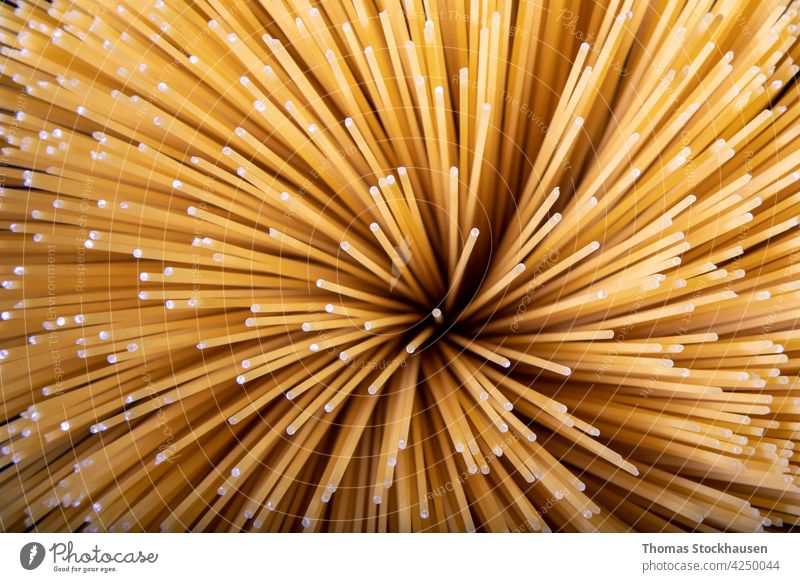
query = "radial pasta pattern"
{"x": 399, "y": 265}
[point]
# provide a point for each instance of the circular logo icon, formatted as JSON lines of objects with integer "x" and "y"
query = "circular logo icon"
{"x": 31, "y": 555}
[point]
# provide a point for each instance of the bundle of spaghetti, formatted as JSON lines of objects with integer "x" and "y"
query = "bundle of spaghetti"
{"x": 392, "y": 265}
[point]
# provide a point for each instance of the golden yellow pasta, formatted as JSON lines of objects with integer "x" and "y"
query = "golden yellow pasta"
{"x": 399, "y": 265}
